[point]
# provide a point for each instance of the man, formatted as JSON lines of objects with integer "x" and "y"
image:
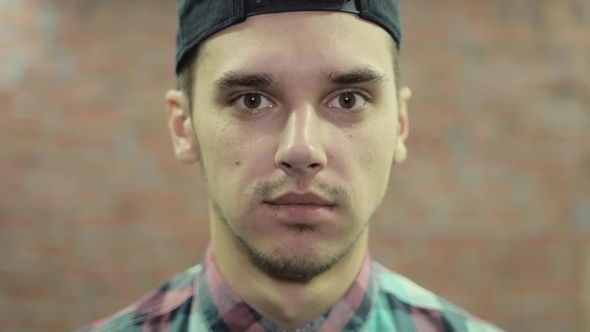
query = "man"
{"x": 294, "y": 113}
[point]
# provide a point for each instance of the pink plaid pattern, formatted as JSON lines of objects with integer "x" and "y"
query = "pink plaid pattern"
{"x": 379, "y": 300}
{"x": 237, "y": 316}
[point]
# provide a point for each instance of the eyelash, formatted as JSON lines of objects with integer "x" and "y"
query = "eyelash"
{"x": 367, "y": 98}
{"x": 249, "y": 111}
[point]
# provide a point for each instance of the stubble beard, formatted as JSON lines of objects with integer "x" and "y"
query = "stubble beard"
{"x": 300, "y": 262}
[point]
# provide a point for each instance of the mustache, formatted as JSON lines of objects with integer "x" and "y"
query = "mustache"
{"x": 265, "y": 189}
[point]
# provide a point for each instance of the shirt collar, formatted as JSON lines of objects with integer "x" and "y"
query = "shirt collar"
{"x": 224, "y": 310}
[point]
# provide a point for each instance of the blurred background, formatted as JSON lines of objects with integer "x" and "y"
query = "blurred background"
{"x": 492, "y": 209}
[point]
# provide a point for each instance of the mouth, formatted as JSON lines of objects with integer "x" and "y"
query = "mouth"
{"x": 301, "y": 209}
{"x": 308, "y": 199}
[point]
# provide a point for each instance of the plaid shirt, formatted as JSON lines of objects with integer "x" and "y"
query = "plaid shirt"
{"x": 378, "y": 301}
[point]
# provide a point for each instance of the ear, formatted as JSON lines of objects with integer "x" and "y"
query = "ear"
{"x": 403, "y": 126}
{"x": 184, "y": 140}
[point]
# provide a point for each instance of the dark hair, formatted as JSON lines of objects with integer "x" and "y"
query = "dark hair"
{"x": 185, "y": 80}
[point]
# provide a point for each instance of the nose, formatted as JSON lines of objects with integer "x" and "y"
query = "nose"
{"x": 300, "y": 152}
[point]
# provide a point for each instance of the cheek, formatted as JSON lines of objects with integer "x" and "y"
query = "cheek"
{"x": 372, "y": 148}
{"x": 371, "y": 156}
{"x": 234, "y": 156}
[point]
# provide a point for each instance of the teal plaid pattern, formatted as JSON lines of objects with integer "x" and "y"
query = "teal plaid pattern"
{"x": 385, "y": 302}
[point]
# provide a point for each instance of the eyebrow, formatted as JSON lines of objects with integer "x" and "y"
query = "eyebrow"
{"x": 357, "y": 76}
{"x": 233, "y": 79}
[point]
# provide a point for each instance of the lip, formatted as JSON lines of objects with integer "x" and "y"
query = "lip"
{"x": 306, "y": 199}
{"x": 301, "y": 209}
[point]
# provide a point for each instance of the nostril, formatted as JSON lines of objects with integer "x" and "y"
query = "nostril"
{"x": 314, "y": 166}
{"x": 286, "y": 164}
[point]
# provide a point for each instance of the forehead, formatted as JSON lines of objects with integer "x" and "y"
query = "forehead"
{"x": 298, "y": 43}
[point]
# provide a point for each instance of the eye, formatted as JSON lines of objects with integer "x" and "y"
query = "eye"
{"x": 253, "y": 101}
{"x": 348, "y": 101}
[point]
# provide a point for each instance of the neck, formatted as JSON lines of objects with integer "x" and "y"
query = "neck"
{"x": 290, "y": 304}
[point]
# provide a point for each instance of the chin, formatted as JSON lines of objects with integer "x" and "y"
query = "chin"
{"x": 297, "y": 259}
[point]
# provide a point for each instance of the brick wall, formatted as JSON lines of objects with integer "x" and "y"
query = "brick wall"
{"x": 492, "y": 209}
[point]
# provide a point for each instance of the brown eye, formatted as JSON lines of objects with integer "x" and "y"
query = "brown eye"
{"x": 252, "y": 101}
{"x": 347, "y": 100}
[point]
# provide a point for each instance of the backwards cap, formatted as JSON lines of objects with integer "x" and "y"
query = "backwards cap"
{"x": 199, "y": 19}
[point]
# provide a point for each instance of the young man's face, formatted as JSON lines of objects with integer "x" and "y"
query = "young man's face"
{"x": 297, "y": 126}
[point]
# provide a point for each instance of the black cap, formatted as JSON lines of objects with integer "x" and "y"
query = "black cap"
{"x": 199, "y": 19}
